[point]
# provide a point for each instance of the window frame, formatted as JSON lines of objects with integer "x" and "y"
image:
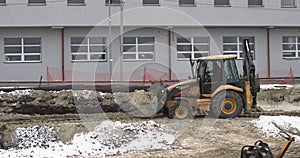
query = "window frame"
{"x": 256, "y": 5}
{"x": 288, "y": 6}
{"x": 239, "y": 46}
{"x": 297, "y": 47}
{"x": 112, "y": 4}
{"x": 37, "y": 3}
{"x": 22, "y": 54}
{"x": 3, "y": 3}
{"x": 137, "y": 52}
{"x": 221, "y": 5}
{"x": 192, "y": 44}
{"x": 75, "y": 3}
{"x": 89, "y": 53}
{"x": 151, "y": 4}
{"x": 186, "y": 4}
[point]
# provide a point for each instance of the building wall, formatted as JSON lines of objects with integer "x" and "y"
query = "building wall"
{"x": 277, "y": 62}
{"x": 50, "y": 56}
{"x": 95, "y": 12}
{"x": 91, "y": 71}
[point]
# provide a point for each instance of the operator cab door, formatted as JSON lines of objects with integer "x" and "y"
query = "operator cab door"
{"x": 215, "y": 73}
{"x": 213, "y": 76}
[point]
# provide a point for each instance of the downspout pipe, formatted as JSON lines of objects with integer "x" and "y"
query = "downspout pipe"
{"x": 268, "y": 52}
{"x": 170, "y": 53}
{"x": 63, "y": 54}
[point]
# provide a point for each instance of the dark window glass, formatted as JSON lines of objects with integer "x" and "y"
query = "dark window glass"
{"x": 32, "y": 57}
{"x": 36, "y": 49}
{"x": 150, "y": 1}
{"x": 75, "y": 1}
{"x": 12, "y": 41}
{"x": 2, "y": 1}
{"x": 129, "y": 48}
{"x": 36, "y": 1}
{"x": 221, "y": 2}
{"x": 32, "y": 41}
{"x": 78, "y": 40}
{"x": 254, "y": 2}
{"x": 146, "y": 56}
{"x": 13, "y": 58}
{"x": 129, "y": 40}
{"x": 183, "y": 40}
{"x": 288, "y": 3}
{"x": 187, "y": 2}
{"x": 79, "y": 57}
{"x": 112, "y": 2}
{"x": 9, "y": 50}
{"x": 97, "y": 40}
{"x": 147, "y": 40}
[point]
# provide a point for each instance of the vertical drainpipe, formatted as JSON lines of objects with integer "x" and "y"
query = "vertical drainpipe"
{"x": 63, "y": 54}
{"x": 170, "y": 64}
{"x": 268, "y": 47}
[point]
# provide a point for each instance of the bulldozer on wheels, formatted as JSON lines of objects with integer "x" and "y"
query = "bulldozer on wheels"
{"x": 216, "y": 88}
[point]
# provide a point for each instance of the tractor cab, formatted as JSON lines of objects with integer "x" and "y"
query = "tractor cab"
{"x": 215, "y": 71}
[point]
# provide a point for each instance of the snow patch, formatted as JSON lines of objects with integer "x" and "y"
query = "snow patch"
{"x": 108, "y": 138}
{"x": 272, "y": 125}
{"x": 275, "y": 86}
{"x": 20, "y": 93}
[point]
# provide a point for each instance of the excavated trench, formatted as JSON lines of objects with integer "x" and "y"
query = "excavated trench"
{"x": 138, "y": 102}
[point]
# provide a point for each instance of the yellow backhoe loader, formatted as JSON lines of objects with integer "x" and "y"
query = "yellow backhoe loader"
{"x": 217, "y": 88}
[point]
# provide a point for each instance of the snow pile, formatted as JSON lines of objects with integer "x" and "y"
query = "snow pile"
{"x": 272, "y": 125}
{"x": 275, "y": 86}
{"x": 108, "y": 138}
{"x": 35, "y": 136}
{"x": 20, "y": 93}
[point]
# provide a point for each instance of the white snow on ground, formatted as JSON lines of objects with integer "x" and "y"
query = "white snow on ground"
{"x": 108, "y": 138}
{"x": 272, "y": 125}
{"x": 275, "y": 86}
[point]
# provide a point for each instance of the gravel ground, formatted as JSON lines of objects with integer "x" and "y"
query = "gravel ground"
{"x": 199, "y": 137}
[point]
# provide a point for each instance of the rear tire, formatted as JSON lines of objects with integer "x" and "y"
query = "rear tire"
{"x": 180, "y": 110}
{"x": 226, "y": 104}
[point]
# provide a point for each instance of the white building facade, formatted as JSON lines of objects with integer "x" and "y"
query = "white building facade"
{"x": 92, "y": 40}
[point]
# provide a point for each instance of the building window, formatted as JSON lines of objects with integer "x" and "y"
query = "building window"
{"x": 193, "y": 47}
{"x": 113, "y": 2}
{"x": 234, "y": 45}
{"x": 291, "y": 46}
{"x": 37, "y": 2}
{"x": 88, "y": 48}
{"x": 288, "y": 3}
{"x": 22, "y": 49}
{"x": 75, "y": 2}
{"x": 186, "y": 2}
{"x": 221, "y": 2}
{"x": 138, "y": 48}
{"x": 2, "y": 2}
{"x": 151, "y": 2}
{"x": 255, "y": 2}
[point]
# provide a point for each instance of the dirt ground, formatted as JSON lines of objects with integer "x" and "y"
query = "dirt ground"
{"x": 200, "y": 137}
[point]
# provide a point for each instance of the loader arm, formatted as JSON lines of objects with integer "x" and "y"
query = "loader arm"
{"x": 252, "y": 82}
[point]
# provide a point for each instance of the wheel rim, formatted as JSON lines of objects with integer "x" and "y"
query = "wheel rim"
{"x": 229, "y": 106}
{"x": 181, "y": 112}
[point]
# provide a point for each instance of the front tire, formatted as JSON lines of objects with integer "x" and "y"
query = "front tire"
{"x": 180, "y": 110}
{"x": 226, "y": 104}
